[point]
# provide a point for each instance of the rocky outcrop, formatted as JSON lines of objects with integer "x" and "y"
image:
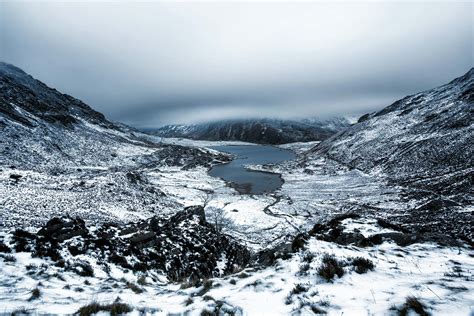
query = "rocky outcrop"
{"x": 335, "y": 231}
{"x": 184, "y": 246}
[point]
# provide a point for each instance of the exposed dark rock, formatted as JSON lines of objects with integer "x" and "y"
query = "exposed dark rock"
{"x": 184, "y": 245}
{"x": 333, "y": 231}
{"x": 15, "y": 177}
{"x": 63, "y": 229}
{"x": 4, "y": 248}
{"x": 269, "y": 256}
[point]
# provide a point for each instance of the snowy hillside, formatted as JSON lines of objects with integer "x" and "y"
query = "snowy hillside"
{"x": 262, "y": 131}
{"x": 423, "y": 140}
{"x": 98, "y": 218}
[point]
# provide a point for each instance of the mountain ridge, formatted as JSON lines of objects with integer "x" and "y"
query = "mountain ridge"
{"x": 262, "y": 131}
{"x": 423, "y": 140}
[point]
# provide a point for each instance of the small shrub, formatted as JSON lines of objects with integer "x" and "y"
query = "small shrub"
{"x": 114, "y": 309}
{"x": 362, "y": 265}
{"x": 299, "y": 242}
{"x": 304, "y": 268}
{"x": 308, "y": 257}
{"x": 31, "y": 266}
{"x": 188, "y": 301}
{"x": 81, "y": 268}
{"x": 299, "y": 288}
{"x": 233, "y": 281}
{"x": 35, "y": 294}
{"x": 142, "y": 280}
{"x": 9, "y": 258}
{"x": 206, "y": 312}
{"x": 413, "y": 304}
{"x": 208, "y": 298}
{"x": 330, "y": 267}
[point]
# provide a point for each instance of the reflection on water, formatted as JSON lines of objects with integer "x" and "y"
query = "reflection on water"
{"x": 249, "y": 181}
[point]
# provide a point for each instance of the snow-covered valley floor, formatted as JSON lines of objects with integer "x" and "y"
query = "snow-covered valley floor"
{"x": 440, "y": 277}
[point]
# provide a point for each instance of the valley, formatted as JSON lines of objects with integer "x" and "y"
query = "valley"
{"x": 96, "y": 212}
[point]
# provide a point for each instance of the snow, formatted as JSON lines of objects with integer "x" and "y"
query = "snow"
{"x": 440, "y": 277}
{"x": 312, "y": 192}
{"x": 196, "y": 143}
{"x": 105, "y": 173}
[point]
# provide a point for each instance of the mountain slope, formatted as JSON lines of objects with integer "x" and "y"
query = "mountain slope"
{"x": 263, "y": 131}
{"x": 21, "y": 94}
{"x": 423, "y": 140}
{"x": 41, "y": 128}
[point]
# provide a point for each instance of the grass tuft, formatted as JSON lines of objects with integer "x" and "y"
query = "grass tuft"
{"x": 362, "y": 265}
{"x": 9, "y": 258}
{"x": 188, "y": 301}
{"x": 299, "y": 288}
{"x": 113, "y": 309}
{"x": 35, "y": 294}
{"x": 330, "y": 267}
{"x": 414, "y": 305}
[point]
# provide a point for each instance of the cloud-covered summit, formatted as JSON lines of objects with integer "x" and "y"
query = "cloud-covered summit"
{"x": 149, "y": 64}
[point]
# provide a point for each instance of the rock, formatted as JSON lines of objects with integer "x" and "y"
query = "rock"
{"x": 436, "y": 205}
{"x": 15, "y": 177}
{"x": 63, "y": 229}
{"x": 184, "y": 245}
{"x": 4, "y": 248}
{"x": 142, "y": 238}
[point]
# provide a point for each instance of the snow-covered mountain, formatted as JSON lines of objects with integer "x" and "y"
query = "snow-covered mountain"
{"x": 423, "y": 140}
{"x": 96, "y": 217}
{"x": 41, "y": 128}
{"x": 262, "y": 131}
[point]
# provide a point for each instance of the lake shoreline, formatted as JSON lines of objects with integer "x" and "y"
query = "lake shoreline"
{"x": 238, "y": 175}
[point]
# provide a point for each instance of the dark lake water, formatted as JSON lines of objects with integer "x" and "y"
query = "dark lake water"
{"x": 248, "y": 181}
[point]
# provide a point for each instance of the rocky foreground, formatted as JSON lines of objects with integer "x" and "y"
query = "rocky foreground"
{"x": 183, "y": 263}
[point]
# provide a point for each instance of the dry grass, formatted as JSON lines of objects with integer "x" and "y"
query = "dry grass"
{"x": 330, "y": 268}
{"x": 113, "y": 309}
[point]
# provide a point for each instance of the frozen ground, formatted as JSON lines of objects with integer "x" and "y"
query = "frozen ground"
{"x": 440, "y": 277}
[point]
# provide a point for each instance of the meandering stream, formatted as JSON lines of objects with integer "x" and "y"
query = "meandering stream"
{"x": 248, "y": 181}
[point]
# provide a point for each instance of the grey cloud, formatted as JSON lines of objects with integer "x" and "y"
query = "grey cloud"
{"x": 150, "y": 64}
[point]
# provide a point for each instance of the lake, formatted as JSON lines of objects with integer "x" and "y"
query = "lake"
{"x": 249, "y": 181}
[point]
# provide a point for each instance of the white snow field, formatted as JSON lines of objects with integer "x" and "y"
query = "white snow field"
{"x": 438, "y": 276}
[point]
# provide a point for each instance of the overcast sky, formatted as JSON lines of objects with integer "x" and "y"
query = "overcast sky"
{"x": 149, "y": 64}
